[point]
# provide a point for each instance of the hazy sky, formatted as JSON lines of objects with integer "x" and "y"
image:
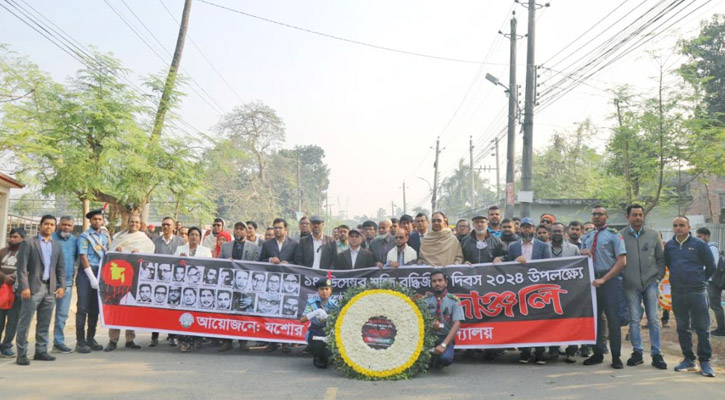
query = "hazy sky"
{"x": 376, "y": 113}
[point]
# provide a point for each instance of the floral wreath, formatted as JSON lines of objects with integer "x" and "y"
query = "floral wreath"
{"x": 381, "y": 332}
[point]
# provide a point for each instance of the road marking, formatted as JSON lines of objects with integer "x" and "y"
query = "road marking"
{"x": 331, "y": 393}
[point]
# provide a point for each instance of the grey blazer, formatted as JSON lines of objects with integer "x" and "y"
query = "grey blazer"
{"x": 250, "y": 252}
{"x": 30, "y": 266}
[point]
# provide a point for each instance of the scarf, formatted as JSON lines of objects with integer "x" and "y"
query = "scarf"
{"x": 222, "y": 234}
{"x": 441, "y": 248}
{"x": 130, "y": 242}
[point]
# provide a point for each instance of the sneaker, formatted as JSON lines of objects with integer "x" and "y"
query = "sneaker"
{"x": 62, "y": 348}
{"x": 22, "y": 361}
{"x": 43, "y": 357}
{"x": 95, "y": 346}
{"x": 539, "y": 360}
{"x": 154, "y": 342}
{"x": 686, "y": 365}
{"x": 132, "y": 345}
{"x": 658, "y": 362}
{"x": 110, "y": 346}
{"x": 82, "y": 348}
{"x": 706, "y": 369}
{"x": 636, "y": 359}
{"x": 617, "y": 363}
{"x": 8, "y": 352}
{"x": 595, "y": 359}
{"x": 524, "y": 358}
{"x": 584, "y": 352}
{"x": 570, "y": 359}
{"x": 718, "y": 332}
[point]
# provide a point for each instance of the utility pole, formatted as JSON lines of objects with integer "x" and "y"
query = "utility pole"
{"x": 405, "y": 210}
{"x": 498, "y": 175}
{"x": 529, "y": 113}
{"x": 511, "y": 134}
{"x": 299, "y": 185}
{"x": 473, "y": 189}
{"x": 392, "y": 209}
{"x": 435, "y": 178}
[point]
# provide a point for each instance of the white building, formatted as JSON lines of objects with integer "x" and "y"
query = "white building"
{"x": 6, "y": 183}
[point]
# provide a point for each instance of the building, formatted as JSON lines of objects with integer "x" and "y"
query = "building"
{"x": 6, "y": 184}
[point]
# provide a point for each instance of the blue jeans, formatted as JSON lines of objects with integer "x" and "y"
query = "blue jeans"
{"x": 608, "y": 300}
{"x": 446, "y": 358}
{"x": 62, "y": 306}
{"x": 635, "y": 299}
{"x": 693, "y": 306}
{"x": 41, "y": 303}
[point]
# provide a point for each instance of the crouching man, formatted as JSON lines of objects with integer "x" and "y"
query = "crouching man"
{"x": 448, "y": 315}
{"x": 316, "y": 312}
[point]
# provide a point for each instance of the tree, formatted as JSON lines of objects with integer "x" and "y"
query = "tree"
{"x": 455, "y": 189}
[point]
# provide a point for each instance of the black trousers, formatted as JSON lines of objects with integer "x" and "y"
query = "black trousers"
{"x": 87, "y": 309}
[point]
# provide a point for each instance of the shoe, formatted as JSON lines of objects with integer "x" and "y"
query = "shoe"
{"x": 524, "y": 358}
{"x": 718, "y": 332}
{"x": 22, "y": 361}
{"x": 319, "y": 362}
{"x": 539, "y": 360}
{"x": 82, "y": 348}
{"x": 286, "y": 348}
{"x": 553, "y": 355}
{"x": 272, "y": 347}
{"x": 706, "y": 369}
{"x": 226, "y": 346}
{"x": 95, "y": 346}
{"x": 154, "y": 342}
{"x": 584, "y": 351}
{"x": 132, "y": 345}
{"x": 173, "y": 342}
{"x": 570, "y": 359}
{"x": 595, "y": 359}
{"x": 7, "y": 352}
{"x": 617, "y": 363}
{"x": 62, "y": 348}
{"x": 43, "y": 357}
{"x": 110, "y": 346}
{"x": 636, "y": 359}
{"x": 658, "y": 362}
{"x": 686, "y": 365}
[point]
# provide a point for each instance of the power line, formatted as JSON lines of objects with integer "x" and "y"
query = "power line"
{"x": 352, "y": 41}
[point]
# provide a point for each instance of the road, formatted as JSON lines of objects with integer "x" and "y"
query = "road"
{"x": 165, "y": 373}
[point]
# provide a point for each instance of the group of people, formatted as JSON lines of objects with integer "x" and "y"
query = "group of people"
{"x": 628, "y": 267}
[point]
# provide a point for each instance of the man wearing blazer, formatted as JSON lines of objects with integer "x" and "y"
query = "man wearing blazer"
{"x": 524, "y": 250}
{"x": 41, "y": 280}
{"x": 240, "y": 248}
{"x": 355, "y": 257}
{"x": 316, "y": 250}
{"x": 281, "y": 249}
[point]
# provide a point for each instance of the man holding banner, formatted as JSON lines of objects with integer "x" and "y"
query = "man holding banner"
{"x": 606, "y": 248}
{"x": 92, "y": 247}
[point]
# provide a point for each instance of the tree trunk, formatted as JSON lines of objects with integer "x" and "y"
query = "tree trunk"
{"x": 626, "y": 151}
{"x": 661, "y": 115}
{"x": 86, "y": 205}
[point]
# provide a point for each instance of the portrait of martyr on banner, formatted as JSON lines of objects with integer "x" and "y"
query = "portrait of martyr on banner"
{"x": 259, "y": 280}
{"x": 269, "y": 304}
{"x": 174, "y": 298}
{"x": 206, "y": 298}
{"x": 163, "y": 273}
{"x": 179, "y": 273}
{"x": 241, "y": 280}
{"x": 188, "y": 297}
{"x": 193, "y": 274}
{"x": 243, "y": 302}
{"x": 223, "y": 300}
{"x": 211, "y": 276}
{"x": 144, "y": 294}
{"x": 274, "y": 283}
{"x": 290, "y": 306}
{"x": 291, "y": 284}
{"x": 160, "y": 292}
{"x": 225, "y": 277}
{"x": 147, "y": 272}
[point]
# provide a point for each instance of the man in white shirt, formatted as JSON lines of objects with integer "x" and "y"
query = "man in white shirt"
{"x": 401, "y": 254}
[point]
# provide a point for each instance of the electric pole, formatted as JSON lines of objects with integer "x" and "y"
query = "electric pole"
{"x": 405, "y": 210}
{"x": 392, "y": 209}
{"x": 299, "y": 185}
{"x": 473, "y": 189}
{"x": 498, "y": 175}
{"x": 511, "y": 134}
{"x": 528, "y": 114}
{"x": 435, "y": 178}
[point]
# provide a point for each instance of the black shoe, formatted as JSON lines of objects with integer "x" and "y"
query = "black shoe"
{"x": 82, "y": 348}
{"x": 95, "y": 346}
{"x": 617, "y": 363}
{"x": 584, "y": 351}
{"x": 539, "y": 360}
{"x": 154, "y": 342}
{"x": 61, "y": 348}
{"x": 524, "y": 358}
{"x": 658, "y": 362}
{"x": 718, "y": 332}
{"x": 43, "y": 357}
{"x": 595, "y": 359}
{"x": 22, "y": 361}
{"x": 110, "y": 346}
{"x": 636, "y": 359}
{"x": 173, "y": 342}
{"x": 132, "y": 345}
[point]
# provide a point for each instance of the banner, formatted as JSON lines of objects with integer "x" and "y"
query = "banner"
{"x": 545, "y": 302}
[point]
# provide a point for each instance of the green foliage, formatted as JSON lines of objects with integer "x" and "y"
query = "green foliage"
{"x": 455, "y": 198}
{"x": 420, "y": 365}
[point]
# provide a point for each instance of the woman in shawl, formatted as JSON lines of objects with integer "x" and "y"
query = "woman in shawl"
{"x": 221, "y": 238}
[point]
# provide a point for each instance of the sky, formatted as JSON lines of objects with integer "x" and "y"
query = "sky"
{"x": 377, "y": 113}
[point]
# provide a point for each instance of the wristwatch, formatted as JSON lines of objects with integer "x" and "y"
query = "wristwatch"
{"x": 443, "y": 345}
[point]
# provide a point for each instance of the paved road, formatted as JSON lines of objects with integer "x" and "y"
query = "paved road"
{"x": 163, "y": 372}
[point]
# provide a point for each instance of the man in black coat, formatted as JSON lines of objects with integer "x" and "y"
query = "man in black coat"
{"x": 281, "y": 249}
{"x": 316, "y": 250}
{"x": 355, "y": 257}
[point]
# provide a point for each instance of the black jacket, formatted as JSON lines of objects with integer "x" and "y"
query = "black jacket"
{"x": 305, "y": 253}
{"x": 270, "y": 249}
{"x": 365, "y": 259}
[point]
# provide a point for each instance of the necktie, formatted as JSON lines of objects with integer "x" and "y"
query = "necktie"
{"x": 594, "y": 244}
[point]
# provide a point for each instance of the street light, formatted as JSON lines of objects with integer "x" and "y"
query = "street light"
{"x": 510, "y": 143}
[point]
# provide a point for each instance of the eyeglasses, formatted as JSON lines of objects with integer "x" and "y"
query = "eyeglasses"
{"x": 679, "y": 225}
{"x": 165, "y": 224}
{"x": 400, "y": 237}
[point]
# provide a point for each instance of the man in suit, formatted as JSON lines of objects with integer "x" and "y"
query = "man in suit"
{"x": 41, "y": 280}
{"x": 355, "y": 257}
{"x": 524, "y": 250}
{"x": 316, "y": 250}
{"x": 421, "y": 228}
{"x": 281, "y": 249}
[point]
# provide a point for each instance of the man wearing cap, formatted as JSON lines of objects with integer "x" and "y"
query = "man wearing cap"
{"x": 92, "y": 246}
{"x": 479, "y": 246}
{"x": 609, "y": 255}
{"x": 547, "y": 219}
{"x": 316, "y": 312}
{"x": 316, "y": 250}
{"x": 524, "y": 250}
{"x": 355, "y": 257}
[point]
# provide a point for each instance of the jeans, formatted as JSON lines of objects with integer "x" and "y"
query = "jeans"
{"x": 43, "y": 302}
{"x": 692, "y": 306}
{"x": 608, "y": 300}
{"x": 446, "y": 358}
{"x": 9, "y": 323}
{"x": 635, "y": 299}
{"x": 62, "y": 306}
{"x": 714, "y": 292}
{"x": 87, "y": 309}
